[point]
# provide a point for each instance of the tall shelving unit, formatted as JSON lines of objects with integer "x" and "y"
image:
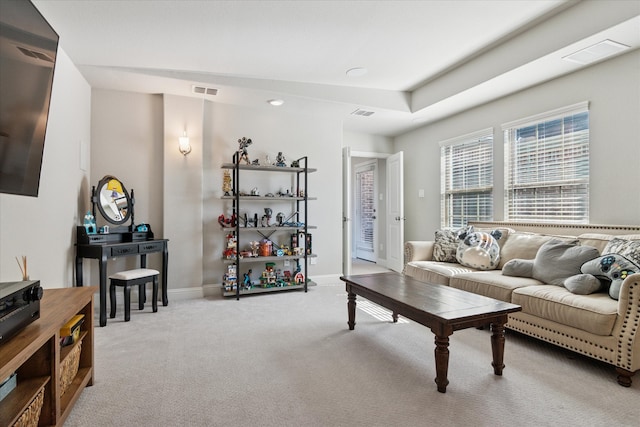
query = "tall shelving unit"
{"x": 299, "y": 219}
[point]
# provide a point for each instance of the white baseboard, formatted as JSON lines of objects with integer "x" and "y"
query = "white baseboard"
{"x": 204, "y": 291}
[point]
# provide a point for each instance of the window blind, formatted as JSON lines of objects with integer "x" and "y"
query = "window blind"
{"x": 466, "y": 168}
{"x": 547, "y": 167}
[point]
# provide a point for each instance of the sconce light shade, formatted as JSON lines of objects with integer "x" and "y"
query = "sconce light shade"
{"x": 183, "y": 144}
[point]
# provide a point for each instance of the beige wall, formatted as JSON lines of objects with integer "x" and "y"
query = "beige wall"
{"x": 180, "y": 196}
{"x": 613, "y": 90}
{"x": 43, "y": 228}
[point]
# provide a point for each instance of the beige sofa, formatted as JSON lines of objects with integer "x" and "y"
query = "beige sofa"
{"x": 594, "y": 325}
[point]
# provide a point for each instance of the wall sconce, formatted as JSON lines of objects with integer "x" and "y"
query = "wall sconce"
{"x": 183, "y": 144}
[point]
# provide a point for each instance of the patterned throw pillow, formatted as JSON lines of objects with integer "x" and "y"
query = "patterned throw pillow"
{"x": 445, "y": 246}
{"x": 629, "y": 249}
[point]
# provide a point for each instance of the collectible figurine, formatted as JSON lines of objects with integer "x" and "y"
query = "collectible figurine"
{"x": 226, "y": 182}
{"x": 90, "y": 223}
{"x": 246, "y": 283}
{"x": 295, "y": 164}
{"x": 242, "y": 150}
{"x": 266, "y": 218}
{"x": 280, "y": 160}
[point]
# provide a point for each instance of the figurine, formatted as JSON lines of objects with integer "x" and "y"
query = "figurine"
{"x": 232, "y": 244}
{"x": 280, "y": 160}
{"x": 90, "y": 223}
{"x": 254, "y": 248}
{"x": 246, "y": 283}
{"x": 295, "y": 164}
{"x": 242, "y": 150}
{"x": 299, "y": 277}
{"x": 226, "y": 182}
{"x": 266, "y": 218}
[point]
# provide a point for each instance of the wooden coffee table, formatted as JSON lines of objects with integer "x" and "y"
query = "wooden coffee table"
{"x": 440, "y": 308}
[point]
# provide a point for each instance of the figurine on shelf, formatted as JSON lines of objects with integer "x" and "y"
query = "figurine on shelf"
{"x": 256, "y": 162}
{"x": 254, "y": 248}
{"x": 246, "y": 283}
{"x": 230, "y": 279}
{"x": 226, "y": 183}
{"x": 242, "y": 150}
{"x": 280, "y": 160}
{"x": 227, "y": 222}
{"x": 295, "y": 164}
{"x": 299, "y": 277}
{"x": 232, "y": 244}
{"x": 266, "y": 218}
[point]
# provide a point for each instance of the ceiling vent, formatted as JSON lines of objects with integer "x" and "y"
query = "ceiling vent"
{"x": 35, "y": 54}
{"x": 360, "y": 112}
{"x": 596, "y": 52}
{"x": 204, "y": 90}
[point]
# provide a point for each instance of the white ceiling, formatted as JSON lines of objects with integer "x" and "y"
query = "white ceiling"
{"x": 425, "y": 59}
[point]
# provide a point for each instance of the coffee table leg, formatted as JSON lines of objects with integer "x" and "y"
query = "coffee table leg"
{"x": 442, "y": 362}
{"x": 497, "y": 347}
{"x": 395, "y": 317}
{"x": 351, "y": 308}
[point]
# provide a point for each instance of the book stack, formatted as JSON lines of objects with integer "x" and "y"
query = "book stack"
{"x": 70, "y": 332}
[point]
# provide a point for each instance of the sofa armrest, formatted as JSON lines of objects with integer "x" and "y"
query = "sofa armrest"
{"x": 418, "y": 250}
{"x": 629, "y": 311}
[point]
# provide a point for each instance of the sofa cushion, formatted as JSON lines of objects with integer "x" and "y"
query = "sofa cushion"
{"x": 490, "y": 283}
{"x": 594, "y": 313}
{"x": 434, "y": 272}
{"x": 445, "y": 246}
{"x": 557, "y": 260}
{"x": 521, "y": 245}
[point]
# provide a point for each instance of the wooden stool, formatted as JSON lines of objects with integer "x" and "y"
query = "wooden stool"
{"x": 140, "y": 277}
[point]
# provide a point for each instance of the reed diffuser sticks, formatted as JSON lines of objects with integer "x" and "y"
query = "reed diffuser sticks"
{"x": 23, "y": 267}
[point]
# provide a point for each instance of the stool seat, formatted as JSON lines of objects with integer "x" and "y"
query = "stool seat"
{"x": 134, "y": 274}
{"x": 128, "y": 278}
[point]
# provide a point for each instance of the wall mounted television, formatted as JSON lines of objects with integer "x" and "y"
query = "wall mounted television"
{"x": 28, "y": 48}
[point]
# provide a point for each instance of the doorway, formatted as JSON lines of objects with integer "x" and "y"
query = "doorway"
{"x": 366, "y": 210}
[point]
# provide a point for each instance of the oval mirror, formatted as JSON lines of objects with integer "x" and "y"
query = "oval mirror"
{"x": 113, "y": 200}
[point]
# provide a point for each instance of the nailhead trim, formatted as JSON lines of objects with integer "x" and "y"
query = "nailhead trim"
{"x": 563, "y": 344}
{"x": 629, "y": 328}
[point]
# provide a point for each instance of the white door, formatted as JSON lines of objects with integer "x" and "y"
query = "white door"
{"x": 346, "y": 211}
{"x": 395, "y": 212}
{"x": 365, "y": 210}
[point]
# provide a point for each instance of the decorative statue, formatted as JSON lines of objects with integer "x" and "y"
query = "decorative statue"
{"x": 280, "y": 160}
{"x": 226, "y": 182}
{"x": 242, "y": 150}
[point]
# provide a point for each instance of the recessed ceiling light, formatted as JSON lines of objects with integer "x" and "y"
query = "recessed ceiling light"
{"x": 276, "y": 102}
{"x": 356, "y": 72}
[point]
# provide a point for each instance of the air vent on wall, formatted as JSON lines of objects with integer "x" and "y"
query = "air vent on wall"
{"x": 360, "y": 112}
{"x": 35, "y": 54}
{"x": 596, "y": 52}
{"x": 204, "y": 90}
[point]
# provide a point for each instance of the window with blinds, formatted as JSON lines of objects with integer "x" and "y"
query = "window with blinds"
{"x": 547, "y": 166}
{"x": 466, "y": 169}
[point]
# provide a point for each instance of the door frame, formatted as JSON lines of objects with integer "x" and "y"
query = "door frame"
{"x": 347, "y": 190}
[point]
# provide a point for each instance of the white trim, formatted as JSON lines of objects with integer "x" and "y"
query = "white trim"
{"x": 371, "y": 155}
{"x": 466, "y": 138}
{"x": 548, "y": 115}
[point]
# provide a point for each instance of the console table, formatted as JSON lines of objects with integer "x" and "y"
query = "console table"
{"x": 116, "y": 245}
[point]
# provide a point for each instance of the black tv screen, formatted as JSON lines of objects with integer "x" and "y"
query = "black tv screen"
{"x": 28, "y": 47}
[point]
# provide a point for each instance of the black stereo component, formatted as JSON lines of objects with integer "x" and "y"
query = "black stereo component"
{"x": 19, "y": 306}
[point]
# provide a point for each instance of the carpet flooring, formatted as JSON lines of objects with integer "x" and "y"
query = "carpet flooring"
{"x": 288, "y": 359}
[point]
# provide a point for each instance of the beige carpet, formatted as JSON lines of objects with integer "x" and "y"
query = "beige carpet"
{"x": 288, "y": 359}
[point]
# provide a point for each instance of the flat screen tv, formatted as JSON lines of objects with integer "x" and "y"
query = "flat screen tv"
{"x": 28, "y": 48}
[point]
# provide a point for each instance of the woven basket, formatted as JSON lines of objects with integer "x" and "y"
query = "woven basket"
{"x": 69, "y": 368}
{"x": 31, "y": 415}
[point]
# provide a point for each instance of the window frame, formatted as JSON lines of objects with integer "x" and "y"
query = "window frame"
{"x": 558, "y": 171}
{"x": 452, "y": 195}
